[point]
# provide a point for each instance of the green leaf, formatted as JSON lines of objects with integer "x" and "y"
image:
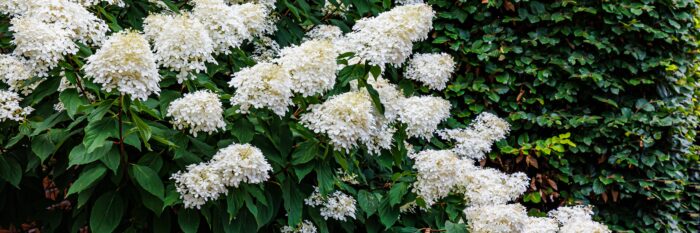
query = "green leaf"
{"x": 396, "y": 193}
{"x": 78, "y": 155}
{"x": 96, "y": 132}
{"x": 305, "y": 152}
{"x": 243, "y": 130}
{"x": 10, "y": 170}
{"x": 148, "y": 180}
{"x": 188, "y": 220}
{"x": 71, "y": 101}
{"x": 387, "y": 214}
{"x": 648, "y": 159}
{"x": 42, "y": 146}
{"x": 112, "y": 159}
{"x": 107, "y": 213}
{"x": 293, "y": 202}
{"x": 144, "y": 129}
{"x": 87, "y": 179}
{"x": 368, "y": 202}
{"x": 451, "y": 227}
{"x": 375, "y": 98}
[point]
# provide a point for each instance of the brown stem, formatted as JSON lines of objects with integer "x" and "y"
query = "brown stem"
{"x": 80, "y": 86}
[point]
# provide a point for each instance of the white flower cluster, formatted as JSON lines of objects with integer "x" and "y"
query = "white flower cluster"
{"x": 125, "y": 62}
{"x": 577, "y": 219}
{"x": 347, "y": 119}
{"x": 324, "y": 32}
{"x": 44, "y": 30}
{"x": 443, "y": 172}
{"x": 437, "y": 172}
{"x": 43, "y": 44}
{"x": 230, "y": 166}
{"x": 507, "y": 218}
{"x": 181, "y": 43}
{"x": 311, "y": 66}
{"x": 302, "y": 227}
{"x": 422, "y": 114}
{"x": 476, "y": 140}
{"x": 433, "y": 69}
{"x": 72, "y": 16}
{"x": 10, "y": 109}
{"x": 200, "y": 111}
{"x": 264, "y": 85}
{"x": 88, "y": 3}
{"x": 388, "y": 37}
{"x": 338, "y": 205}
{"x": 16, "y": 73}
{"x": 225, "y": 28}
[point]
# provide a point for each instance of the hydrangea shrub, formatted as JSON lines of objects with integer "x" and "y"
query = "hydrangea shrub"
{"x": 239, "y": 116}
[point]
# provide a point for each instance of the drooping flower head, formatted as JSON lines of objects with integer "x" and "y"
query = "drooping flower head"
{"x": 10, "y": 108}
{"x": 433, "y": 69}
{"x": 125, "y": 62}
{"x": 485, "y": 186}
{"x": 256, "y": 18}
{"x": 264, "y": 85}
{"x": 311, "y": 66}
{"x": 43, "y": 44}
{"x": 199, "y": 111}
{"x": 181, "y": 43}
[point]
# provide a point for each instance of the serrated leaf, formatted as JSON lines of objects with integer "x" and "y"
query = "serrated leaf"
{"x": 368, "y": 202}
{"x": 305, "y": 152}
{"x": 10, "y": 170}
{"x": 188, "y": 220}
{"x": 97, "y": 132}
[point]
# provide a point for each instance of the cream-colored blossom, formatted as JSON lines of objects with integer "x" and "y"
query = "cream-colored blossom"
{"x": 126, "y": 63}
{"x": 181, "y": 43}
{"x": 432, "y": 69}
{"x": 199, "y": 111}
{"x": 43, "y": 44}
{"x": 311, "y": 66}
{"x": 264, "y": 85}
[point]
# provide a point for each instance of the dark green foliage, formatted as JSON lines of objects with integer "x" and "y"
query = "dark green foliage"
{"x": 615, "y": 77}
{"x": 601, "y": 96}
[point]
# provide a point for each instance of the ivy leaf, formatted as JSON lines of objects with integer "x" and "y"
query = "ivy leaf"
{"x": 87, "y": 179}
{"x": 107, "y": 213}
{"x": 148, "y": 180}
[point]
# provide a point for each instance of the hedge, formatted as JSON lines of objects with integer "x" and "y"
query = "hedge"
{"x": 601, "y": 96}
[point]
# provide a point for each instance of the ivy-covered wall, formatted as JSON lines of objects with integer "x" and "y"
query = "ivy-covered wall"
{"x": 601, "y": 94}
